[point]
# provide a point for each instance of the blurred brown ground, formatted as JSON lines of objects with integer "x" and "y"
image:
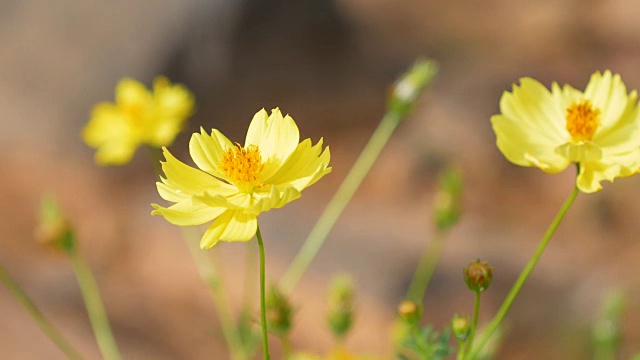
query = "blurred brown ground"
{"x": 329, "y": 65}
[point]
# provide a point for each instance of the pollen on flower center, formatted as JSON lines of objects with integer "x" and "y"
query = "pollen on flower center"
{"x": 242, "y": 166}
{"x": 582, "y": 120}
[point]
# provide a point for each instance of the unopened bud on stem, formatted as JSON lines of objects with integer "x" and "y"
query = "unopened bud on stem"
{"x": 478, "y": 275}
{"x": 53, "y": 228}
{"x": 409, "y": 311}
{"x": 407, "y": 89}
{"x": 461, "y": 326}
{"x": 341, "y": 305}
{"x": 279, "y": 312}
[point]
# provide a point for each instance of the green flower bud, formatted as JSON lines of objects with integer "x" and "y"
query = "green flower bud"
{"x": 279, "y": 312}
{"x": 341, "y": 305}
{"x": 478, "y": 275}
{"x": 53, "y": 228}
{"x": 409, "y": 311}
{"x": 606, "y": 332}
{"x": 407, "y": 89}
{"x": 447, "y": 203}
{"x": 461, "y": 327}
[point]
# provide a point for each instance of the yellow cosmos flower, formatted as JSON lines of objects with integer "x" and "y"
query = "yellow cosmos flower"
{"x": 236, "y": 183}
{"x": 598, "y": 129}
{"x": 137, "y": 117}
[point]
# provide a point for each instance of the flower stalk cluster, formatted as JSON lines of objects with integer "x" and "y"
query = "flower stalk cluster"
{"x": 596, "y": 129}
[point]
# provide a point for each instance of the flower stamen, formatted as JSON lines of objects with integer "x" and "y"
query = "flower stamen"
{"x": 582, "y": 121}
{"x": 242, "y": 166}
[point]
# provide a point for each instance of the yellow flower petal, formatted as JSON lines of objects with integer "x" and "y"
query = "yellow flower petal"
{"x": 276, "y": 198}
{"x": 525, "y": 147}
{"x": 207, "y": 150}
{"x": 257, "y": 128}
{"x": 130, "y": 92}
{"x": 305, "y": 166}
{"x": 232, "y": 225}
{"x": 276, "y": 137}
{"x": 187, "y": 213}
{"x": 593, "y": 173}
{"x": 628, "y": 161}
{"x": 169, "y": 192}
{"x": 609, "y": 94}
{"x": 185, "y": 179}
{"x": 173, "y": 101}
{"x": 535, "y": 109}
{"x": 107, "y": 123}
{"x": 115, "y": 152}
{"x": 578, "y": 153}
{"x": 164, "y": 133}
{"x": 216, "y": 200}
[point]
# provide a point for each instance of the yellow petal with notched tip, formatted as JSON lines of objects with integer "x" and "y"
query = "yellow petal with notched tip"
{"x": 207, "y": 151}
{"x": 187, "y": 213}
{"x": 189, "y": 180}
{"x": 232, "y": 225}
{"x": 276, "y": 136}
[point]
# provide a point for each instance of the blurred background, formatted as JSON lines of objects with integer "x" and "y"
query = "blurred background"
{"x": 329, "y": 64}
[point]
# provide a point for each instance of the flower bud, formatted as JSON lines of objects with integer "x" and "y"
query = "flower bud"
{"x": 341, "y": 305}
{"x": 407, "y": 89}
{"x": 461, "y": 326}
{"x": 606, "y": 332}
{"x": 279, "y": 311}
{"x": 53, "y": 229}
{"x": 409, "y": 311}
{"x": 478, "y": 275}
{"x": 447, "y": 202}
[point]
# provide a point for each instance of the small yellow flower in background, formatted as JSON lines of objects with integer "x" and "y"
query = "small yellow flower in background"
{"x": 337, "y": 353}
{"x": 598, "y": 129}
{"x": 236, "y": 183}
{"x": 137, "y": 117}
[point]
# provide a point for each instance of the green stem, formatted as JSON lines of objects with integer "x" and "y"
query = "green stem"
{"x": 461, "y": 344}
{"x": 425, "y": 269}
{"x": 263, "y": 311}
{"x": 286, "y": 347}
{"x": 47, "y": 328}
{"x": 249, "y": 280}
{"x": 474, "y": 325}
{"x": 343, "y": 195}
{"x": 515, "y": 290}
{"x": 95, "y": 308}
{"x": 211, "y": 277}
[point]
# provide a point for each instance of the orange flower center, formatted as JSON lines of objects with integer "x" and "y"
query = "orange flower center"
{"x": 582, "y": 121}
{"x": 242, "y": 166}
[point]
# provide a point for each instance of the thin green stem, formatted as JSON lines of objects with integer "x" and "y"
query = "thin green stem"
{"x": 45, "y": 325}
{"x": 515, "y": 290}
{"x": 461, "y": 348}
{"x": 343, "y": 195}
{"x": 211, "y": 277}
{"x": 474, "y": 325}
{"x": 425, "y": 269}
{"x": 286, "y": 347}
{"x": 95, "y": 308}
{"x": 249, "y": 280}
{"x": 263, "y": 310}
